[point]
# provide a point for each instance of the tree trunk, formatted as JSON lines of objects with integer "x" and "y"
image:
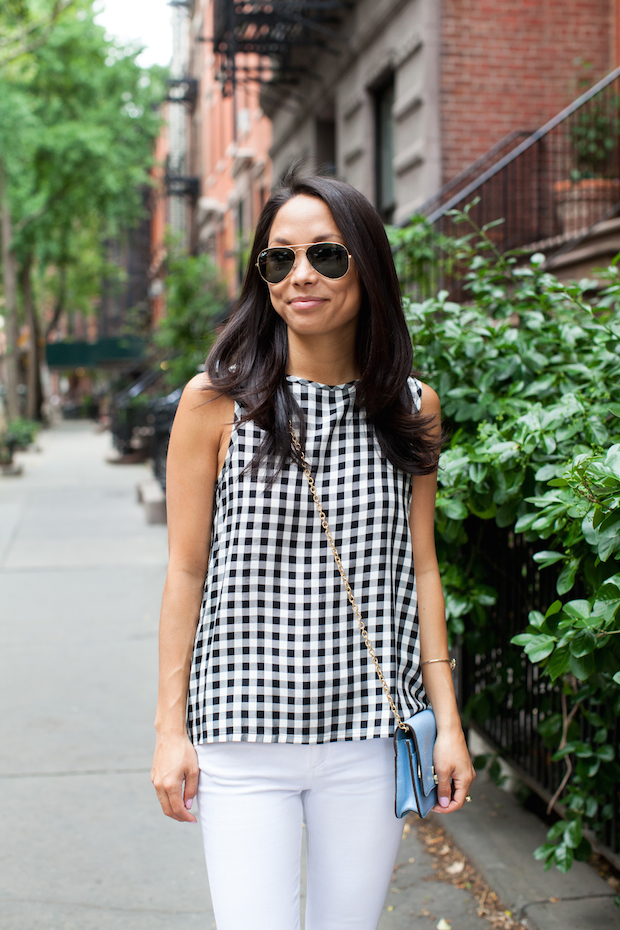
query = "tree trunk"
{"x": 10, "y": 299}
{"x": 60, "y": 300}
{"x": 34, "y": 396}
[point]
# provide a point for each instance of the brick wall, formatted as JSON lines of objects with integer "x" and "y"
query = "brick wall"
{"x": 513, "y": 64}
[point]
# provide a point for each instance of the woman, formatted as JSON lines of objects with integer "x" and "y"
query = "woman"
{"x": 286, "y": 720}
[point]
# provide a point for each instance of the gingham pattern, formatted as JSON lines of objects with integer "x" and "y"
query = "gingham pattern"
{"x": 278, "y": 656}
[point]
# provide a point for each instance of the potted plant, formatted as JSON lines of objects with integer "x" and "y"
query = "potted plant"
{"x": 593, "y": 186}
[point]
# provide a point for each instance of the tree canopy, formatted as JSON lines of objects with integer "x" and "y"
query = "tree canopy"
{"x": 78, "y": 121}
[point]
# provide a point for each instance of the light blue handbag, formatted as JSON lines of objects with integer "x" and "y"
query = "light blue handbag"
{"x": 416, "y": 782}
{"x": 414, "y": 739}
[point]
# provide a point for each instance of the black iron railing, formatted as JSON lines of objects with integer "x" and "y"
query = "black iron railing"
{"x": 506, "y": 694}
{"x": 182, "y": 90}
{"x": 552, "y": 187}
{"x": 472, "y": 172}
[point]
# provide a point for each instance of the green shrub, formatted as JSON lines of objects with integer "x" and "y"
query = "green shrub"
{"x": 21, "y": 433}
{"x": 527, "y": 371}
{"x": 195, "y": 297}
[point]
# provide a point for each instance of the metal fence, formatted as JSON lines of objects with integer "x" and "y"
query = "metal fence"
{"x": 550, "y": 188}
{"x": 508, "y": 695}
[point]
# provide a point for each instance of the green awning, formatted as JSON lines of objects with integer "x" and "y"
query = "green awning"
{"x": 105, "y": 353}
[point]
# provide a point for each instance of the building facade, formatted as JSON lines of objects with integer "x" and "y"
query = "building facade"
{"x": 215, "y": 147}
{"x": 396, "y": 96}
{"x": 399, "y": 96}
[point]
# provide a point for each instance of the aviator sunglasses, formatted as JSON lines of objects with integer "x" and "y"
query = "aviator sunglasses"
{"x": 330, "y": 259}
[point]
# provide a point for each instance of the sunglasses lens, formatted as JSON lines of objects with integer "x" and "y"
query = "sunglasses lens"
{"x": 329, "y": 259}
{"x": 275, "y": 264}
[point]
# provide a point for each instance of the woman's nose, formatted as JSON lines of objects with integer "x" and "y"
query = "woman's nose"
{"x": 302, "y": 269}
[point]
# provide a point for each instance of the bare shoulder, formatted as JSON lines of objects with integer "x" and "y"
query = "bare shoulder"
{"x": 199, "y": 393}
{"x": 194, "y": 458}
{"x": 203, "y": 412}
{"x": 430, "y": 404}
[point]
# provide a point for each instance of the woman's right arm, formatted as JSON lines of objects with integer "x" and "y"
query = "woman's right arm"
{"x": 198, "y": 444}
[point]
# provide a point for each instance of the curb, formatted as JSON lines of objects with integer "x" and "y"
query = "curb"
{"x": 499, "y": 836}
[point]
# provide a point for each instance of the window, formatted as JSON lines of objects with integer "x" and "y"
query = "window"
{"x": 326, "y": 146}
{"x": 240, "y": 241}
{"x": 384, "y": 150}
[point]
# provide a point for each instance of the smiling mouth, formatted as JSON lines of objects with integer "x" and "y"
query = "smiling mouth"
{"x": 301, "y": 301}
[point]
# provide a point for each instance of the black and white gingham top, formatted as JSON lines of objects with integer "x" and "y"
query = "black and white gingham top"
{"x": 278, "y": 655}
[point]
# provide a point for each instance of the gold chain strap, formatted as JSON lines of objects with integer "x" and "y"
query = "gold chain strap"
{"x": 345, "y": 580}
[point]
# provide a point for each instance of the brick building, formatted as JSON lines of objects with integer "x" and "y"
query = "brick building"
{"x": 218, "y": 171}
{"x": 396, "y": 96}
{"x": 513, "y": 64}
{"x": 401, "y": 96}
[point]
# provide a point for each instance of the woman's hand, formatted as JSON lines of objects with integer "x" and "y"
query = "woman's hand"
{"x": 454, "y": 769}
{"x": 175, "y": 776}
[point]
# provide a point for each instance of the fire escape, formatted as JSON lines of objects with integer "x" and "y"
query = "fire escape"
{"x": 282, "y": 34}
{"x": 182, "y": 91}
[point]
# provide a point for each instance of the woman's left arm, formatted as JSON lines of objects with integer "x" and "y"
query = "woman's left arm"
{"x": 451, "y": 756}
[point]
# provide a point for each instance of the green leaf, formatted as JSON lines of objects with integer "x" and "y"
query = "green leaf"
{"x": 607, "y": 546}
{"x": 452, "y": 508}
{"x": 525, "y": 522}
{"x": 548, "y": 557}
{"x": 539, "y": 647}
{"x": 554, "y": 608}
{"x": 616, "y": 678}
{"x": 564, "y": 857}
{"x": 580, "y": 749}
{"x": 566, "y": 579}
{"x": 578, "y": 608}
{"x": 555, "y": 832}
{"x": 573, "y": 833}
{"x": 583, "y": 851}
{"x": 559, "y": 663}
{"x": 606, "y": 753}
{"x": 535, "y": 618}
{"x": 545, "y": 473}
{"x": 545, "y": 851}
{"x": 583, "y": 644}
{"x": 582, "y": 667}
{"x": 591, "y": 807}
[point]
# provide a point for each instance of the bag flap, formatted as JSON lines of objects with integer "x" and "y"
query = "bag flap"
{"x": 423, "y": 730}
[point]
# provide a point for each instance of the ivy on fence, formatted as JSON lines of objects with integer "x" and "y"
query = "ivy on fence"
{"x": 528, "y": 373}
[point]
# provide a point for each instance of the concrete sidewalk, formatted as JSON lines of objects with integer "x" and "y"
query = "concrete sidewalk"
{"x": 84, "y": 844}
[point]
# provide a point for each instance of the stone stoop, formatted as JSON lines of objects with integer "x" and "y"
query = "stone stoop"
{"x": 151, "y": 496}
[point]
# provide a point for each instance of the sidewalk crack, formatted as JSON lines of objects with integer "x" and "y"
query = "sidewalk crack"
{"x": 554, "y": 900}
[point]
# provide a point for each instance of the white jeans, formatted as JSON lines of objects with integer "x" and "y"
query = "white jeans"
{"x": 252, "y": 799}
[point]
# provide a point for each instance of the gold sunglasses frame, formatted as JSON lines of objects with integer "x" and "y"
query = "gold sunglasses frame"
{"x": 304, "y": 249}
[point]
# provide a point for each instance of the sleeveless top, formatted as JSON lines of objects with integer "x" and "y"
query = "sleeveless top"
{"x": 278, "y": 655}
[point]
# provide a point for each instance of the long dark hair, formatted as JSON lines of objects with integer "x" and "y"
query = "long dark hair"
{"x": 249, "y": 360}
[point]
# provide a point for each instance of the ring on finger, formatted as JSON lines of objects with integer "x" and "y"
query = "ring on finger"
{"x": 468, "y": 798}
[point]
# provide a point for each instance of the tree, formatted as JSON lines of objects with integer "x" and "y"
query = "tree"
{"x": 78, "y": 119}
{"x": 195, "y": 300}
{"x": 23, "y": 28}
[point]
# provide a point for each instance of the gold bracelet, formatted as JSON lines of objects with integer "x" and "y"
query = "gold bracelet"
{"x": 451, "y": 662}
